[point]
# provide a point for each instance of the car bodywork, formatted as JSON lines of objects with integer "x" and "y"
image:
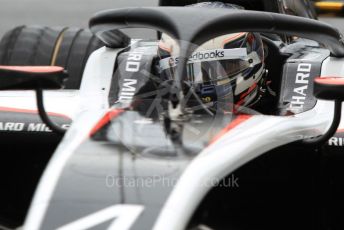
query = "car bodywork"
{"x": 172, "y": 186}
{"x": 115, "y": 143}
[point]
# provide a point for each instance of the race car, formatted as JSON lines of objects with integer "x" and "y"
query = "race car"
{"x": 336, "y": 6}
{"x": 151, "y": 147}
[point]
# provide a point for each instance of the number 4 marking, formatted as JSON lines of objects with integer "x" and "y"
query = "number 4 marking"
{"x": 124, "y": 217}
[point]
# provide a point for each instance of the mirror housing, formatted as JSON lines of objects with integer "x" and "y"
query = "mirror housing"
{"x": 34, "y": 78}
{"x": 31, "y": 77}
{"x": 329, "y": 88}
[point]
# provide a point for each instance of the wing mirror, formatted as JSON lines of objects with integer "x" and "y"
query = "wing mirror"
{"x": 329, "y": 88}
{"x": 35, "y": 78}
{"x": 31, "y": 77}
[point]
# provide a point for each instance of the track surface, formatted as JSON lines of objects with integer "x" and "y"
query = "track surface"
{"x": 77, "y": 13}
{"x": 60, "y": 12}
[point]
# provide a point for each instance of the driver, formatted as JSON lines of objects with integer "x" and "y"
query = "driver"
{"x": 229, "y": 67}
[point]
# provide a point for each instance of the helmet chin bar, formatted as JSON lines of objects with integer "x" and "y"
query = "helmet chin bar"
{"x": 329, "y": 88}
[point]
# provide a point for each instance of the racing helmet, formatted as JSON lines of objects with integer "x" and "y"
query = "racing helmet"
{"x": 231, "y": 65}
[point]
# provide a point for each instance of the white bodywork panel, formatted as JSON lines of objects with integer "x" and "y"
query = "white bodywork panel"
{"x": 93, "y": 93}
{"x": 244, "y": 143}
{"x": 92, "y": 105}
{"x": 57, "y": 101}
{"x": 247, "y": 141}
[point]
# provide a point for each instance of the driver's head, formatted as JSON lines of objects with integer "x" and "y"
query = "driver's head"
{"x": 231, "y": 65}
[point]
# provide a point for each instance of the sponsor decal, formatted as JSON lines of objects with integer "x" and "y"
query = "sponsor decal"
{"x": 38, "y": 127}
{"x": 300, "y": 90}
{"x": 208, "y": 55}
{"x": 133, "y": 64}
{"x": 128, "y": 90}
{"x": 11, "y": 126}
{"x": 134, "y": 61}
{"x": 133, "y": 72}
{"x": 26, "y": 127}
{"x": 336, "y": 141}
{"x": 296, "y": 94}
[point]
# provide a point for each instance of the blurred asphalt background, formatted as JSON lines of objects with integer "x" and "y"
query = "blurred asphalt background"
{"x": 61, "y": 12}
{"x": 76, "y": 13}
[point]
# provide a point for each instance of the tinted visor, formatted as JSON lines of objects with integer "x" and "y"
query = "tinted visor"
{"x": 209, "y": 66}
